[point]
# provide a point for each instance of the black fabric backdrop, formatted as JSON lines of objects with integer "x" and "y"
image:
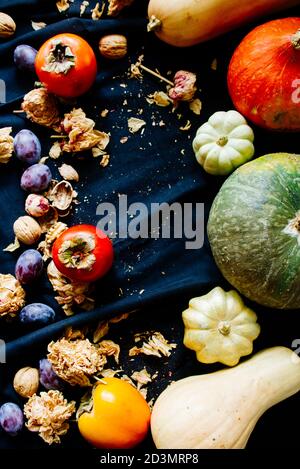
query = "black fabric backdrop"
{"x": 157, "y": 277}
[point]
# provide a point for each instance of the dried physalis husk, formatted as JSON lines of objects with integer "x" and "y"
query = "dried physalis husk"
{"x": 45, "y": 246}
{"x": 113, "y": 46}
{"x": 7, "y": 25}
{"x": 68, "y": 173}
{"x": 12, "y": 295}
{"x": 27, "y": 230}
{"x": 41, "y": 107}
{"x": 26, "y": 381}
{"x": 48, "y": 220}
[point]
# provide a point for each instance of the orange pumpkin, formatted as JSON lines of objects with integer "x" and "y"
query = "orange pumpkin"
{"x": 119, "y": 418}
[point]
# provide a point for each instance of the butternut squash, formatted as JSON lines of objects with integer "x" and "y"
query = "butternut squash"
{"x": 220, "y": 410}
{"x": 184, "y": 23}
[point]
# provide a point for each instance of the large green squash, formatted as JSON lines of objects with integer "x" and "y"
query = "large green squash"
{"x": 254, "y": 230}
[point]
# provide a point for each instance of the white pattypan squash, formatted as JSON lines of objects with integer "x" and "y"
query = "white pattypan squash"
{"x": 219, "y": 327}
{"x": 223, "y": 143}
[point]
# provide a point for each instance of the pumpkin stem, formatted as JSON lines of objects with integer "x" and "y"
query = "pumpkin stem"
{"x": 222, "y": 141}
{"x": 154, "y": 24}
{"x": 296, "y": 40}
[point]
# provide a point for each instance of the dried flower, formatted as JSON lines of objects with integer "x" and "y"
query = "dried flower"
{"x": 62, "y": 5}
{"x": 141, "y": 377}
{"x": 110, "y": 348}
{"x": 48, "y": 414}
{"x": 184, "y": 86}
{"x": 96, "y": 12}
{"x": 12, "y": 295}
{"x": 159, "y": 98}
{"x": 83, "y": 6}
{"x": 53, "y": 232}
{"x": 116, "y": 6}
{"x": 41, "y": 108}
{"x": 55, "y": 151}
{"x": 135, "y": 124}
{"x": 76, "y": 361}
{"x": 26, "y": 381}
{"x": 36, "y": 205}
{"x": 6, "y": 144}
{"x": 50, "y": 219}
{"x": 81, "y": 133}
{"x": 196, "y": 106}
{"x": 68, "y": 173}
{"x": 70, "y": 293}
{"x": 157, "y": 345}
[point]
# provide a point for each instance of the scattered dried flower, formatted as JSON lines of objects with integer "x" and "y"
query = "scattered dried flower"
{"x": 96, "y": 12}
{"x": 76, "y": 361}
{"x": 12, "y": 246}
{"x": 186, "y": 127}
{"x": 50, "y": 219}
{"x": 54, "y": 231}
{"x": 68, "y": 173}
{"x": 141, "y": 377}
{"x": 83, "y": 6}
{"x": 12, "y": 295}
{"x": 36, "y": 26}
{"x": 110, "y": 348}
{"x": 196, "y": 106}
{"x": 135, "y": 124}
{"x": 104, "y": 112}
{"x": 6, "y": 144}
{"x": 159, "y": 98}
{"x": 70, "y": 294}
{"x": 73, "y": 334}
{"x": 48, "y": 414}
{"x": 109, "y": 373}
{"x": 41, "y": 108}
{"x": 156, "y": 345}
{"x": 184, "y": 86}
{"x": 116, "y": 6}
{"x": 124, "y": 139}
{"x": 62, "y": 5}
{"x": 105, "y": 160}
{"x": 55, "y": 151}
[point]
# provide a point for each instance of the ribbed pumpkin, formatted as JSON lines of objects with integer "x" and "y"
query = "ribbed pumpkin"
{"x": 254, "y": 230}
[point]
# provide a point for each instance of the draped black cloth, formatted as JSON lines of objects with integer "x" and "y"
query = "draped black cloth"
{"x": 157, "y": 277}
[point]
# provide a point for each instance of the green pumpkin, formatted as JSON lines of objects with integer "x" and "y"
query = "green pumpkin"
{"x": 254, "y": 230}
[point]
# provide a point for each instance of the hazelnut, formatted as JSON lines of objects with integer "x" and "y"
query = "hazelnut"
{"x": 7, "y": 25}
{"x": 26, "y": 381}
{"x": 37, "y": 205}
{"x": 113, "y": 46}
{"x": 27, "y": 230}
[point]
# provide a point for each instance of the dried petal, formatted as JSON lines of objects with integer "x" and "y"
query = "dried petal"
{"x": 12, "y": 246}
{"x": 96, "y": 12}
{"x": 62, "y": 5}
{"x": 55, "y": 151}
{"x": 101, "y": 330}
{"x": 68, "y": 173}
{"x": 196, "y": 106}
{"x": 45, "y": 247}
{"x": 186, "y": 127}
{"x": 156, "y": 345}
{"x": 36, "y": 26}
{"x": 142, "y": 378}
{"x": 110, "y": 348}
{"x": 159, "y": 98}
{"x": 12, "y": 295}
{"x": 47, "y": 221}
{"x": 48, "y": 414}
{"x": 6, "y": 144}
{"x": 135, "y": 124}
{"x": 83, "y": 7}
{"x": 116, "y": 6}
{"x": 41, "y": 108}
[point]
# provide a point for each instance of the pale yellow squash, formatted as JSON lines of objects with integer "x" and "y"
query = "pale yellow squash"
{"x": 220, "y": 410}
{"x": 184, "y": 23}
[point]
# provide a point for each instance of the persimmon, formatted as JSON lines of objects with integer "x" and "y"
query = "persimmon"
{"x": 66, "y": 65}
{"x": 117, "y": 417}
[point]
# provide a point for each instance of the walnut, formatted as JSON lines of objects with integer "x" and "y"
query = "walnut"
{"x": 7, "y": 25}
{"x": 76, "y": 361}
{"x": 12, "y": 295}
{"x": 184, "y": 86}
{"x": 70, "y": 293}
{"x": 41, "y": 108}
{"x": 116, "y": 6}
{"x": 26, "y": 381}
{"x": 48, "y": 414}
{"x": 27, "y": 230}
{"x": 6, "y": 144}
{"x": 113, "y": 46}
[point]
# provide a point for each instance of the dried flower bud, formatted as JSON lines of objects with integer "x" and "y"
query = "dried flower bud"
{"x": 113, "y": 46}
{"x": 7, "y": 25}
{"x": 12, "y": 295}
{"x": 41, "y": 108}
{"x": 27, "y": 230}
{"x": 6, "y": 144}
{"x": 26, "y": 381}
{"x": 184, "y": 86}
{"x": 36, "y": 205}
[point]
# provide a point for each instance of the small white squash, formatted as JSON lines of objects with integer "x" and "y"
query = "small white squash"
{"x": 223, "y": 143}
{"x": 219, "y": 327}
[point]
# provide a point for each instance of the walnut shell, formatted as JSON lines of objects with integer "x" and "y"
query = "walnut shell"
{"x": 7, "y": 25}
{"x": 26, "y": 381}
{"x": 113, "y": 46}
{"x": 27, "y": 230}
